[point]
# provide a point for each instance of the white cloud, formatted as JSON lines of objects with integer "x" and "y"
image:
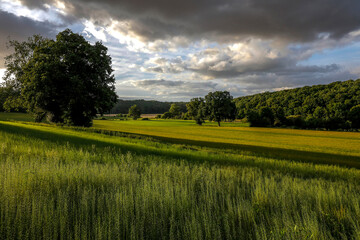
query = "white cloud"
{"x": 121, "y": 30}
{"x": 50, "y": 13}
{"x": 2, "y": 73}
{"x": 163, "y": 65}
{"x": 97, "y": 32}
{"x": 237, "y": 58}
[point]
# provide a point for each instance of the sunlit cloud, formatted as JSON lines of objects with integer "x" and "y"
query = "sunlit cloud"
{"x": 97, "y": 32}
{"x": 2, "y": 73}
{"x": 50, "y": 13}
{"x": 122, "y": 32}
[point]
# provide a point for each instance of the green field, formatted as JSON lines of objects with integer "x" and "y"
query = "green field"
{"x": 175, "y": 180}
{"x": 344, "y": 143}
{"x": 16, "y": 117}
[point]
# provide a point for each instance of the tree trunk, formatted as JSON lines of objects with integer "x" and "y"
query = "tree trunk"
{"x": 219, "y": 123}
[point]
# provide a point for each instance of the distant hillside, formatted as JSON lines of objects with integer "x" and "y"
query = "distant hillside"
{"x": 146, "y": 107}
{"x": 327, "y": 106}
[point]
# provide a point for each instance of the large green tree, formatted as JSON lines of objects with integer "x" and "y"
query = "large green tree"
{"x": 15, "y": 64}
{"x": 3, "y": 97}
{"x": 220, "y": 106}
{"x": 67, "y": 79}
{"x": 10, "y": 100}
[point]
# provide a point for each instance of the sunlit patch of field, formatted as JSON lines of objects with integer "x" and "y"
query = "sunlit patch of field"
{"x": 149, "y": 115}
{"x": 64, "y": 183}
{"x": 343, "y": 143}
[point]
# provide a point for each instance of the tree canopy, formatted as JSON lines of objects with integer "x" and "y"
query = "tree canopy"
{"x": 354, "y": 116}
{"x": 331, "y": 106}
{"x": 146, "y": 106}
{"x": 220, "y": 106}
{"x": 196, "y": 110}
{"x": 175, "y": 110}
{"x": 67, "y": 79}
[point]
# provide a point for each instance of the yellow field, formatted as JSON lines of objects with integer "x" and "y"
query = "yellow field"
{"x": 341, "y": 148}
{"x": 343, "y": 143}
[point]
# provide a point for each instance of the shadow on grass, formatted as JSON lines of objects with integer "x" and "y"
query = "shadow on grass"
{"x": 277, "y": 153}
{"x": 258, "y": 151}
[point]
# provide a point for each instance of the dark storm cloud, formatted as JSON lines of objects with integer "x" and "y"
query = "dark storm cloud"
{"x": 36, "y": 3}
{"x": 296, "y": 20}
{"x": 279, "y": 71}
{"x": 19, "y": 28}
{"x": 269, "y": 82}
{"x": 243, "y": 46}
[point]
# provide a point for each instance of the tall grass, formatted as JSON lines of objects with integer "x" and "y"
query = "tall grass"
{"x": 61, "y": 184}
{"x": 7, "y": 116}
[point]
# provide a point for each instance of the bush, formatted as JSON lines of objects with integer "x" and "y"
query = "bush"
{"x": 278, "y": 123}
{"x": 354, "y": 116}
{"x": 295, "y": 120}
{"x": 145, "y": 119}
{"x": 166, "y": 115}
{"x": 257, "y": 119}
{"x": 134, "y": 112}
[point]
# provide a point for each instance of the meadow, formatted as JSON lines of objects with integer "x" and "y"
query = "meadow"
{"x": 135, "y": 180}
{"x": 293, "y": 144}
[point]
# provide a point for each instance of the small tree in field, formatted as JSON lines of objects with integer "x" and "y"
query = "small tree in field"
{"x": 175, "y": 110}
{"x": 220, "y": 106}
{"x": 134, "y": 112}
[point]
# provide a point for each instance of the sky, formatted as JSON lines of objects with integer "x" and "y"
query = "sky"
{"x": 171, "y": 50}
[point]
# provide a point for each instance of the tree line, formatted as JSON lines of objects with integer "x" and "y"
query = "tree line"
{"x": 215, "y": 106}
{"x": 69, "y": 81}
{"x": 332, "y": 106}
{"x": 146, "y": 106}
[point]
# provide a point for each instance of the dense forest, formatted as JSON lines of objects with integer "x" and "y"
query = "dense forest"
{"x": 146, "y": 107}
{"x": 332, "y": 106}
